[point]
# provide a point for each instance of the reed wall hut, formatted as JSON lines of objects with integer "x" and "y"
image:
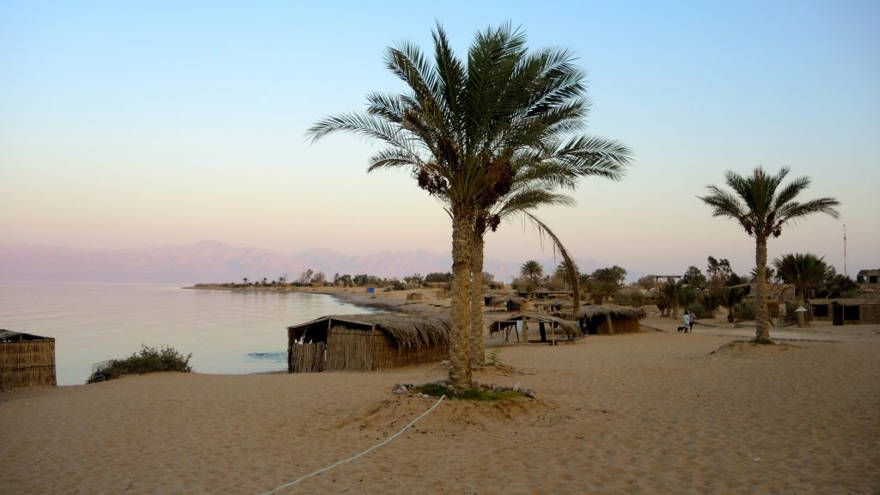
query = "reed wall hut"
{"x": 544, "y": 324}
{"x": 510, "y": 303}
{"x": 367, "y": 342}
{"x": 26, "y": 360}
{"x": 609, "y": 319}
{"x": 845, "y": 311}
{"x": 550, "y": 305}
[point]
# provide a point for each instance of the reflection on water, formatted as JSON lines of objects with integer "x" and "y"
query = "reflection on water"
{"x": 278, "y": 357}
{"x": 226, "y": 331}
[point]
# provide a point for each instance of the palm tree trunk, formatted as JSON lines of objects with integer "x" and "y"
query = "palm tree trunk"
{"x": 800, "y": 317}
{"x": 478, "y": 353}
{"x": 762, "y": 318}
{"x": 460, "y": 311}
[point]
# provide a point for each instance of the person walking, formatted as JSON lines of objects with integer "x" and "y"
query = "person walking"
{"x": 691, "y": 318}
{"x": 687, "y": 321}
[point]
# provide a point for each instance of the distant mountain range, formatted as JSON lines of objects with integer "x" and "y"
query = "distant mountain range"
{"x": 212, "y": 261}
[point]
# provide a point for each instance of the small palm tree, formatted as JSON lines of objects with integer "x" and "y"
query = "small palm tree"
{"x": 532, "y": 270}
{"x": 804, "y": 270}
{"x": 763, "y": 209}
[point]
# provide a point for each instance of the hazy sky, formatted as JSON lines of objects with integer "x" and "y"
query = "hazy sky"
{"x": 126, "y": 125}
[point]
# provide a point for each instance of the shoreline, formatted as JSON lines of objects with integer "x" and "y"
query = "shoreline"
{"x": 392, "y": 301}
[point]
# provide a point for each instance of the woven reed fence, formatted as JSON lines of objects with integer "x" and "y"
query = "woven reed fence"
{"x": 309, "y": 358}
{"x": 359, "y": 350}
{"x": 27, "y": 363}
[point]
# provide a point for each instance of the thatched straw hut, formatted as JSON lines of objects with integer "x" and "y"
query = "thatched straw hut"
{"x": 550, "y": 305}
{"x": 510, "y": 303}
{"x": 545, "y": 324}
{"x": 609, "y": 319}
{"x": 366, "y": 342}
{"x": 26, "y": 360}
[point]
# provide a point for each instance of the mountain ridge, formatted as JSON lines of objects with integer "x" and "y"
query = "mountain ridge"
{"x": 215, "y": 261}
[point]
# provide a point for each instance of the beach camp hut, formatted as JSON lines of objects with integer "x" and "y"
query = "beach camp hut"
{"x": 26, "y": 360}
{"x": 366, "y": 342}
{"x": 510, "y": 303}
{"x": 545, "y": 325}
{"x": 609, "y": 319}
{"x": 845, "y": 310}
{"x": 549, "y": 305}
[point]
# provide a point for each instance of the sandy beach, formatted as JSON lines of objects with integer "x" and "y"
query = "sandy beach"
{"x": 653, "y": 412}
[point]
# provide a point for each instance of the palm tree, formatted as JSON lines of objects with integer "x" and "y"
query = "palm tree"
{"x": 804, "y": 270}
{"x": 461, "y": 127}
{"x": 532, "y": 270}
{"x": 763, "y": 211}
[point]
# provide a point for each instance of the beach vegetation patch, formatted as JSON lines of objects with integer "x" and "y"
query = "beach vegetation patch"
{"x": 147, "y": 360}
{"x": 476, "y": 392}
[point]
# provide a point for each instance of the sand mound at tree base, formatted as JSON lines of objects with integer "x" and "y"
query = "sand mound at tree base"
{"x": 748, "y": 348}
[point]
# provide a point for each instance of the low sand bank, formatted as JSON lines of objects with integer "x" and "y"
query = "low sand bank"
{"x": 653, "y": 412}
{"x": 383, "y": 300}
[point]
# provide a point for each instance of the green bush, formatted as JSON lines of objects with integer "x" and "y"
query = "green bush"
{"x": 147, "y": 360}
{"x": 631, "y": 298}
{"x": 701, "y": 311}
{"x": 746, "y": 311}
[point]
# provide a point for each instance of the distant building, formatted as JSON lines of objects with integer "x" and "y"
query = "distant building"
{"x": 845, "y": 310}
{"x": 869, "y": 278}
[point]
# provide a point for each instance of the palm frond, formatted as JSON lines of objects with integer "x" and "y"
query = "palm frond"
{"x": 558, "y": 247}
{"x": 793, "y": 211}
{"x": 789, "y": 192}
{"x": 394, "y": 157}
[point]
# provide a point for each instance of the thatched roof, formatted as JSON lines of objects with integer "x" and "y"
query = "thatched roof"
{"x": 411, "y": 331}
{"x": 10, "y": 336}
{"x": 609, "y": 309}
{"x": 495, "y": 301}
{"x": 553, "y": 302}
{"x": 844, "y": 301}
{"x": 569, "y": 327}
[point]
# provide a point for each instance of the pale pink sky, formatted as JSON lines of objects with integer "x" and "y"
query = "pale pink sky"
{"x": 135, "y": 126}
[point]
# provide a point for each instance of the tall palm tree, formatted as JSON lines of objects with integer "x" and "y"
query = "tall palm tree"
{"x": 461, "y": 127}
{"x": 763, "y": 211}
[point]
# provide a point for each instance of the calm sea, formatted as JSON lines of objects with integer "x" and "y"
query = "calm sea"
{"x": 226, "y": 331}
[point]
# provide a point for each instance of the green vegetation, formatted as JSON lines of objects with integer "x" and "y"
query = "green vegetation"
{"x": 473, "y": 393}
{"x": 605, "y": 283}
{"x": 746, "y": 310}
{"x": 147, "y": 360}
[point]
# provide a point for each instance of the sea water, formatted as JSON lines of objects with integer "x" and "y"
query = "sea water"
{"x": 228, "y": 332}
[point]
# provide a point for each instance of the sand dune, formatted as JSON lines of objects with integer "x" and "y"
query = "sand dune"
{"x": 643, "y": 413}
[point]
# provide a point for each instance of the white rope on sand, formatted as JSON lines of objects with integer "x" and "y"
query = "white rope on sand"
{"x": 374, "y": 447}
